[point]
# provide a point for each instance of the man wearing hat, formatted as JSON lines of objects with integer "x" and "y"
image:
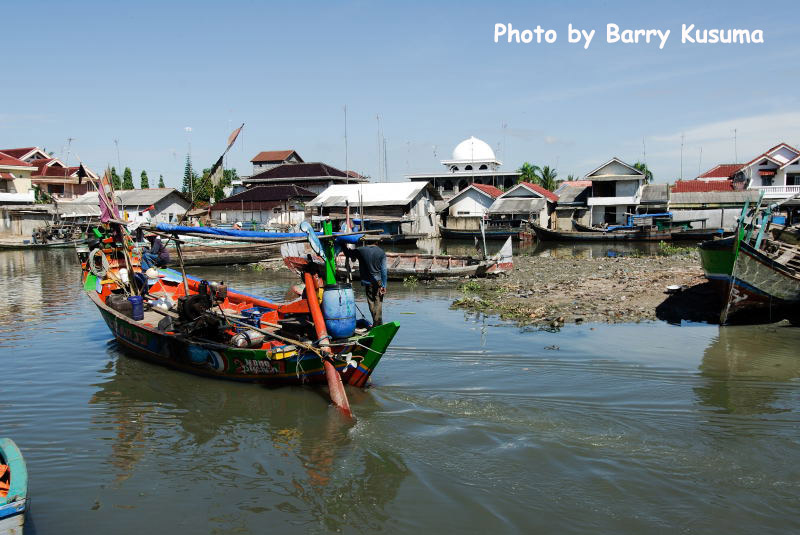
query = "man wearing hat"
{"x": 156, "y": 255}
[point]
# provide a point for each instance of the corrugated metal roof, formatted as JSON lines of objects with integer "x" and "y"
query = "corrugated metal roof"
{"x": 132, "y": 197}
{"x": 712, "y": 197}
{"x": 384, "y": 194}
{"x": 574, "y": 194}
{"x": 654, "y": 193}
{"x": 512, "y": 205}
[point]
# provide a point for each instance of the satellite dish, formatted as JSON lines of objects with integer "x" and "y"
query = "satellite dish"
{"x": 313, "y": 240}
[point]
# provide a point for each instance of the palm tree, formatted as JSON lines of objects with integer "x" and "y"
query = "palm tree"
{"x": 547, "y": 178}
{"x": 529, "y": 173}
{"x": 648, "y": 174}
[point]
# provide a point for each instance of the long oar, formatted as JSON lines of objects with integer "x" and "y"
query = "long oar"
{"x": 338, "y": 395}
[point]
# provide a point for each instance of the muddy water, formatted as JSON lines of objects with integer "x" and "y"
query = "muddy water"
{"x": 470, "y": 425}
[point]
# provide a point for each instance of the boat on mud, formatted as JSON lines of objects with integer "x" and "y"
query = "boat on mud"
{"x": 13, "y": 488}
{"x": 758, "y": 277}
{"x": 644, "y": 233}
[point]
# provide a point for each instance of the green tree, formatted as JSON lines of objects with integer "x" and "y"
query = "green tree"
{"x": 228, "y": 176}
{"x": 547, "y": 178}
{"x": 648, "y": 174}
{"x": 116, "y": 181}
{"x": 529, "y": 173}
{"x": 187, "y": 176}
{"x": 127, "y": 179}
{"x": 571, "y": 178}
{"x": 161, "y": 181}
{"x": 145, "y": 182}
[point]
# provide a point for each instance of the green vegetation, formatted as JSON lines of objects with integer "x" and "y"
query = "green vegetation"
{"x": 116, "y": 181}
{"x": 543, "y": 176}
{"x": 411, "y": 281}
{"x": 470, "y": 286}
{"x": 145, "y": 182}
{"x": 161, "y": 181}
{"x": 648, "y": 174}
{"x": 667, "y": 249}
{"x": 127, "y": 179}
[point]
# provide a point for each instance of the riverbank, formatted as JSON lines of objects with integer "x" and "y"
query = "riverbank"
{"x": 550, "y": 291}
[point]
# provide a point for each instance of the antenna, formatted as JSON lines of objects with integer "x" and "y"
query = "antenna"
{"x": 119, "y": 163}
{"x": 505, "y": 130}
{"x": 735, "y": 149}
{"x": 682, "y": 138}
{"x": 346, "y": 168}
{"x": 380, "y": 148}
{"x": 385, "y": 164}
{"x": 700, "y": 163}
{"x": 69, "y": 146}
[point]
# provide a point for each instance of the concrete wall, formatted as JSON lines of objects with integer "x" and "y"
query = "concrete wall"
{"x": 715, "y": 217}
{"x": 22, "y": 223}
{"x": 471, "y": 203}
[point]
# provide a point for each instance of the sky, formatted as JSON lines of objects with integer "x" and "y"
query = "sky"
{"x": 124, "y": 81}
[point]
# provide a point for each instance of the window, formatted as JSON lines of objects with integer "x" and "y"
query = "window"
{"x": 483, "y": 167}
{"x": 468, "y": 168}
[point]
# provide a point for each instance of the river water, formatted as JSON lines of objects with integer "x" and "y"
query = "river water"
{"x": 470, "y": 425}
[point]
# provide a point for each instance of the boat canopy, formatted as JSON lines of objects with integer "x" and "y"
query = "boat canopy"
{"x": 213, "y": 231}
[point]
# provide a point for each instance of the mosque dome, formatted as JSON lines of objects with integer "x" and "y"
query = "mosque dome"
{"x": 473, "y": 149}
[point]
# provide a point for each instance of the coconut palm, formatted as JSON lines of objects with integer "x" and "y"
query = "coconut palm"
{"x": 648, "y": 174}
{"x": 529, "y": 173}
{"x": 547, "y": 178}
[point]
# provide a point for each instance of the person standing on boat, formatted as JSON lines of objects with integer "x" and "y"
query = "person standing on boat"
{"x": 156, "y": 255}
{"x": 373, "y": 273}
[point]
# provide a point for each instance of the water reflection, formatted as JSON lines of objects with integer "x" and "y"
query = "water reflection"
{"x": 745, "y": 375}
{"x": 304, "y": 459}
{"x": 530, "y": 248}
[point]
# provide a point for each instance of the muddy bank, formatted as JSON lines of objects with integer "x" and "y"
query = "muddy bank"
{"x": 549, "y": 292}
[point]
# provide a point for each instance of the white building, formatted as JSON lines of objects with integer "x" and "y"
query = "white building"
{"x": 776, "y": 172}
{"x": 616, "y": 190}
{"x": 473, "y": 162}
{"x": 164, "y": 205}
{"x": 466, "y": 210}
{"x": 524, "y": 202}
{"x": 267, "y": 159}
{"x": 408, "y": 206}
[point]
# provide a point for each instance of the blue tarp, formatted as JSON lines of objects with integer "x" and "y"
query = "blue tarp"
{"x": 212, "y": 231}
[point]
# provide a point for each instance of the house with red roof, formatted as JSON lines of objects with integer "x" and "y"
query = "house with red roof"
{"x": 469, "y": 206}
{"x": 15, "y": 180}
{"x": 51, "y": 175}
{"x": 616, "y": 191}
{"x": 776, "y": 172}
{"x": 523, "y": 202}
{"x": 267, "y": 159}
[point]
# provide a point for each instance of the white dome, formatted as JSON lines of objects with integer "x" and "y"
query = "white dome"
{"x": 473, "y": 149}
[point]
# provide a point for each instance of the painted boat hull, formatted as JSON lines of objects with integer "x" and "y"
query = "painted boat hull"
{"x": 760, "y": 284}
{"x": 717, "y": 258}
{"x": 355, "y": 362}
{"x": 15, "y": 503}
{"x": 224, "y": 255}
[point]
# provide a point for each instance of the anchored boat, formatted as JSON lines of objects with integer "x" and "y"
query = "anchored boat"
{"x": 13, "y": 488}
{"x": 205, "y": 328}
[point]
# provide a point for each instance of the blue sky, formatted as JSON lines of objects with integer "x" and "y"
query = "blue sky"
{"x": 142, "y": 72}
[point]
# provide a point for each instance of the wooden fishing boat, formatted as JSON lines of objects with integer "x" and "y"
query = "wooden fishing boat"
{"x": 790, "y": 235}
{"x": 496, "y": 233}
{"x": 429, "y": 266}
{"x": 764, "y": 280}
{"x": 228, "y": 254}
{"x": 716, "y": 258}
{"x": 642, "y": 234}
{"x": 580, "y": 227}
{"x": 204, "y": 336}
{"x": 13, "y": 488}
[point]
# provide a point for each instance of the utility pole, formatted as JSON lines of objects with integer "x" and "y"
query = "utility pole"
{"x": 119, "y": 163}
{"x": 682, "y": 137}
{"x": 346, "y": 168}
{"x": 735, "y": 148}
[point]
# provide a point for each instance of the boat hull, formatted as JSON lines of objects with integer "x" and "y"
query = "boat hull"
{"x": 760, "y": 284}
{"x": 635, "y": 235}
{"x": 717, "y": 258}
{"x": 471, "y": 234}
{"x": 15, "y": 503}
{"x": 355, "y": 362}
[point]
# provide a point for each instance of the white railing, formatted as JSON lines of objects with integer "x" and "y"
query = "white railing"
{"x": 778, "y": 191}
{"x": 610, "y": 201}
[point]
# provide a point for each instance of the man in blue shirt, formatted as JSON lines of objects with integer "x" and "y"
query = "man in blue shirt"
{"x": 373, "y": 272}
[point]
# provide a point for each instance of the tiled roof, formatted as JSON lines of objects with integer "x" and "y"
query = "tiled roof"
{"x": 274, "y": 156}
{"x": 541, "y": 191}
{"x": 17, "y": 153}
{"x": 723, "y": 170}
{"x": 702, "y": 186}
{"x": 270, "y": 193}
{"x": 299, "y": 170}
{"x": 492, "y": 191}
{"x": 9, "y": 159}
